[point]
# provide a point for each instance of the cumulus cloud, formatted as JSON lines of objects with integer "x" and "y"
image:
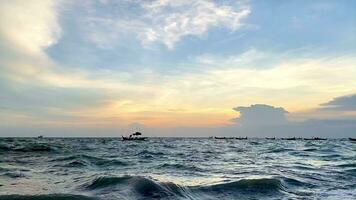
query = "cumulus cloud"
{"x": 169, "y": 21}
{"x": 261, "y": 114}
{"x": 262, "y": 120}
{"x": 343, "y": 103}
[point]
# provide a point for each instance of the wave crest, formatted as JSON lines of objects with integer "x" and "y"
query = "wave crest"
{"x": 146, "y": 187}
{"x": 137, "y": 185}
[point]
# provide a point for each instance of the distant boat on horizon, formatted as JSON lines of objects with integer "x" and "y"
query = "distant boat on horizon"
{"x": 315, "y": 138}
{"x": 229, "y": 138}
{"x": 40, "y": 136}
{"x": 352, "y": 139}
{"x": 134, "y": 136}
{"x": 223, "y": 138}
{"x": 241, "y": 138}
{"x": 291, "y": 138}
{"x": 270, "y": 138}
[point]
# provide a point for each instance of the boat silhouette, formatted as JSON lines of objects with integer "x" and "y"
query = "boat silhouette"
{"x": 223, "y": 138}
{"x": 315, "y": 138}
{"x": 291, "y": 138}
{"x": 134, "y": 136}
{"x": 352, "y": 139}
{"x": 270, "y": 138}
{"x": 241, "y": 138}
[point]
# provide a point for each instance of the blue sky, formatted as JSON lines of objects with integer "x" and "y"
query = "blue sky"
{"x": 107, "y": 35}
{"x": 103, "y": 64}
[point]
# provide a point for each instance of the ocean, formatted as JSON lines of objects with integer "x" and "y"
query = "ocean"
{"x": 176, "y": 168}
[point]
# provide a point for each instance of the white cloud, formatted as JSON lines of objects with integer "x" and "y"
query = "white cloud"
{"x": 29, "y": 26}
{"x": 261, "y": 114}
{"x": 248, "y": 59}
{"x": 168, "y": 21}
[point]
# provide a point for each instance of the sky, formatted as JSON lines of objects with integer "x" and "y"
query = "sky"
{"x": 178, "y": 67}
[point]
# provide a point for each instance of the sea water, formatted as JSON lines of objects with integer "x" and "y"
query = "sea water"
{"x": 176, "y": 168}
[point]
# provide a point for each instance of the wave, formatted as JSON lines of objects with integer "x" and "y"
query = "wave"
{"x": 137, "y": 185}
{"x": 46, "y": 197}
{"x": 347, "y": 165}
{"x": 181, "y": 167}
{"x": 152, "y": 153}
{"x": 13, "y": 174}
{"x": 86, "y": 160}
{"x": 263, "y": 185}
{"x": 4, "y": 147}
{"x": 29, "y": 147}
{"x": 279, "y": 150}
{"x": 147, "y": 187}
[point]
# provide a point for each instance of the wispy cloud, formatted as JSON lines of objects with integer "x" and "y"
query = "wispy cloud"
{"x": 169, "y": 21}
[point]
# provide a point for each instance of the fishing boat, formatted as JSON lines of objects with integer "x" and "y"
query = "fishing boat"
{"x": 291, "y": 138}
{"x": 241, "y": 138}
{"x": 223, "y": 138}
{"x": 134, "y": 136}
{"x": 315, "y": 138}
{"x": 352, "y": 139}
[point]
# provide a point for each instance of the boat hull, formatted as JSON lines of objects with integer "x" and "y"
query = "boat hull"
{"x": 133, "y": 139}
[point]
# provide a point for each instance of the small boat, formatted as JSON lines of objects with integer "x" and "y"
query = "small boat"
{"x": 134, "y": 136}
{"x": 292, "y": 138}
{"x": 270, "y": 138}
{"x": 241, "y": 138}
{"x": 352, "y": 139}
{"x": 223, "y": 138}
{"x": 40, "y": 136}
{"x": 315, "y": 138}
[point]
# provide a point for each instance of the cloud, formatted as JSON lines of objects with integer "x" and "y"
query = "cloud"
{"x": 167, "y": 21}
{"x": 27, "y": 29}
{"x": 261, "y": 114}
{"x": 29, "y": 26}
{"x": 262, "y": 120}
{"x": 343, "y": 103}
{"x": 295, "y": 83}
{"x": 249, "y": 59}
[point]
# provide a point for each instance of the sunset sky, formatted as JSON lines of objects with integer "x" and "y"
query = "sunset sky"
{"x": 99, "y": 67}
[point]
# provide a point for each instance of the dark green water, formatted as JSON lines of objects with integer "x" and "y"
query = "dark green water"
{"x": 176, "y": 168}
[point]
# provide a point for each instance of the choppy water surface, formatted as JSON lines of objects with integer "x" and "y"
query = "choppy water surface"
{"x": 176, "y": 168}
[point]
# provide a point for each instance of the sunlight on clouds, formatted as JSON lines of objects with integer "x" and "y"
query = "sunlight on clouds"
{"x": 206, "y": 98}
{"x": 83, "y": 96}
{"x": 311, "y": 80}
{"x": 29, "y": 25}
{"x": 297, "y": 85}
{"x": 27, "y": 29}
